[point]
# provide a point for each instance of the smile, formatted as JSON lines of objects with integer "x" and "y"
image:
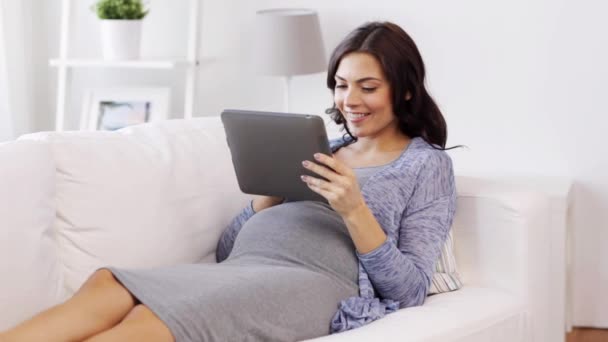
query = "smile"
{"x": 356, "y": 117}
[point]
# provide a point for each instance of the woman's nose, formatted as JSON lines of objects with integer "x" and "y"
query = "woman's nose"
{"x": 351, "y": 98}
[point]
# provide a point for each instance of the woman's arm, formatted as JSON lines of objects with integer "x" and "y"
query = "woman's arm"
{"x": 403, "y": 271}
{"x": 226, "y": 241}
{"x": 399, "y": 270}
{"x": 364, "y": 229}
{"x": 344, "y": 195}
{"x": 264, "y": 202}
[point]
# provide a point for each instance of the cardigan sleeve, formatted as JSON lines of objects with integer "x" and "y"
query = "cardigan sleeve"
{"x": 402, "y": 270}
{"x": 224, "y": 245}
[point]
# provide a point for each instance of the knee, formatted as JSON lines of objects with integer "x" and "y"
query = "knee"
{"x": 141, "y": 316}
{"x": 139, "y": 312}
{"x": 102, "y": 278}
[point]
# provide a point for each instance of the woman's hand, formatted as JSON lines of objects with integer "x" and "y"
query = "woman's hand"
{"x": 341, "y": 190}
{"x": 263, "y": 202}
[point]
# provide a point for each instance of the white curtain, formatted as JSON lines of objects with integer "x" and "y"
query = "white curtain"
{"x": 6, "y": 124}
{"x": 15, "y": 68}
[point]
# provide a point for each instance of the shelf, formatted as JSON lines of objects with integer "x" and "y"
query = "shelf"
{"x": 183, "y": 65}
{"x": 133, "y": 64}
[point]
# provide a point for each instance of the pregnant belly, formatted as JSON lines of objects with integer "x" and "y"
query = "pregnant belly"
{"x": 303, "y": 234}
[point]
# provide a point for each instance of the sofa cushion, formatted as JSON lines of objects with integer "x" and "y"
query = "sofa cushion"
{"x": 145, "y": 196}
{"x": 471, "y": 314}
{"x": 446, "y": 277}
{"x": 29, "y": 272}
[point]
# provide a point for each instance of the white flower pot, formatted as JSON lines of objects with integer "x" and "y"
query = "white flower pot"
{"x": 120, "y": 39}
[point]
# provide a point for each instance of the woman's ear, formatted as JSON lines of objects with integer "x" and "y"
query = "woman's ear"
{"x": 408, "y": 96}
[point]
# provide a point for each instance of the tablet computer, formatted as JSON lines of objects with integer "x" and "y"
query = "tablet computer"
{"x": 268, "y": 148}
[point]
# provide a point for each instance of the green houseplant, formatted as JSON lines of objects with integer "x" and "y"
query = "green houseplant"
{"x": 120, "y": 27}
{"x": 120, "y": 9}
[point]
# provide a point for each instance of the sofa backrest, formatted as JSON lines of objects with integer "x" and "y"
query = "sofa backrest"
{"x": 145, "y": 196}
{"x": 162, "y": 193}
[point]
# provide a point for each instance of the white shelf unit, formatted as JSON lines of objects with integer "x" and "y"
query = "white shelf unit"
{"x": 139, "y": 64}
{"x": 65, "y": 64}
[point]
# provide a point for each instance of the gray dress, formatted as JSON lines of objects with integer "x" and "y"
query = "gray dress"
{"x": 289, "y": 268}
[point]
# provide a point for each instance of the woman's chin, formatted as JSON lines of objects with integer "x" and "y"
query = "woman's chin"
{"x": 356, "y": 132}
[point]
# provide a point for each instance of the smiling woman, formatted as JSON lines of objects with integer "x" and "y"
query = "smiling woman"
{"x": 363, "y": 95}
{"x": 378, "y": 70}
{"x": 294, "y": 270}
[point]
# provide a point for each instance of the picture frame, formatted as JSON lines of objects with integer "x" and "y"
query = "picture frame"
{"x": 109, "y": 109}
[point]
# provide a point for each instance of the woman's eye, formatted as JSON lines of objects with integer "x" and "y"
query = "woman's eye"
{"x": 340, "y": 86}
{"x": 368, "y": 90}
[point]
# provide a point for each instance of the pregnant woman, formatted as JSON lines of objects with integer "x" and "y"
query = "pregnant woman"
{"x": 287, "y": 270}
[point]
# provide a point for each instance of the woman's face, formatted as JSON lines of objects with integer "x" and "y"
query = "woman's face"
{"x": 363, "y": 96}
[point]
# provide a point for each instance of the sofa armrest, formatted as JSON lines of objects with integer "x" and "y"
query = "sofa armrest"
{"x": 498, "y": 233}
{"x": 502, "y": 233}
{"x": 30, "y": 278}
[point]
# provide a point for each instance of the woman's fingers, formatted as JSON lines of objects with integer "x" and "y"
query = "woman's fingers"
{"x": 321, "y": 170}
{"x": 339, "y": 187}
{"x": 327, "y": 189}
{"x": 330, "y": 167}
{"x": 340, "y": 184}
{"x": 320, "y": 191}
{"x": 318, "y": 182}
{"x": 321, "y": 187}
{"x": 333, "y": 163}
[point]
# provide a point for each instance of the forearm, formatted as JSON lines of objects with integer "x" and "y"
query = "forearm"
{"x": 395, "y": 275}
{"x": 259, "y": 203}
{"x": 264, "y": 202}
{"x": 364, "y": 229}
{"x": 229, "y": 234}
{"x": 402, "y": 270}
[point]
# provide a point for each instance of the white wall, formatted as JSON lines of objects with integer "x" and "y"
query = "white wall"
{"x": 520, "y": 82}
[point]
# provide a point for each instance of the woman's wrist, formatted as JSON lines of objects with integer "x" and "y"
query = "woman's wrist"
{"x": 355, "y": 213}
{"x": 364, "y": 229}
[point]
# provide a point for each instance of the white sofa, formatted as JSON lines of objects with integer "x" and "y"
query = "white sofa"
{"x": 161, "y": 193}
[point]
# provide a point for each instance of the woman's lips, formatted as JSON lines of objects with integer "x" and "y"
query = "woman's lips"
{"x": 357, "y": 117}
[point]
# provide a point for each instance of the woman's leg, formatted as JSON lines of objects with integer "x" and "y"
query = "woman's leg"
{"x": 141, "y": 324}
{"x": 98, "y": 305}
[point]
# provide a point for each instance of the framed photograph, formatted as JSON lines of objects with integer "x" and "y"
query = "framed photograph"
{"x": 110, "y": 109}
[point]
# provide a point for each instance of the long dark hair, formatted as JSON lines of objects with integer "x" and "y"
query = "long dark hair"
{"x": 404, "y": 69}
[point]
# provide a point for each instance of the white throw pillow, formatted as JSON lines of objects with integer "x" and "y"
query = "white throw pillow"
{"x": 446, "y": 277}
{"x": 145, "y": 196}
{"x": 30, "y": 278}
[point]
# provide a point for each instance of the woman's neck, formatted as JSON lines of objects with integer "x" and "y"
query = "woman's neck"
{"x": 387, "y": 142}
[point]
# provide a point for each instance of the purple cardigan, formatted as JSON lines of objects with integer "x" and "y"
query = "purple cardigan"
{"x": 414, "y": 200}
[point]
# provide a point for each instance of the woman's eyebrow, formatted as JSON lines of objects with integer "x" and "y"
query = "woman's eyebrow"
{"x": 359, "y": 80}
